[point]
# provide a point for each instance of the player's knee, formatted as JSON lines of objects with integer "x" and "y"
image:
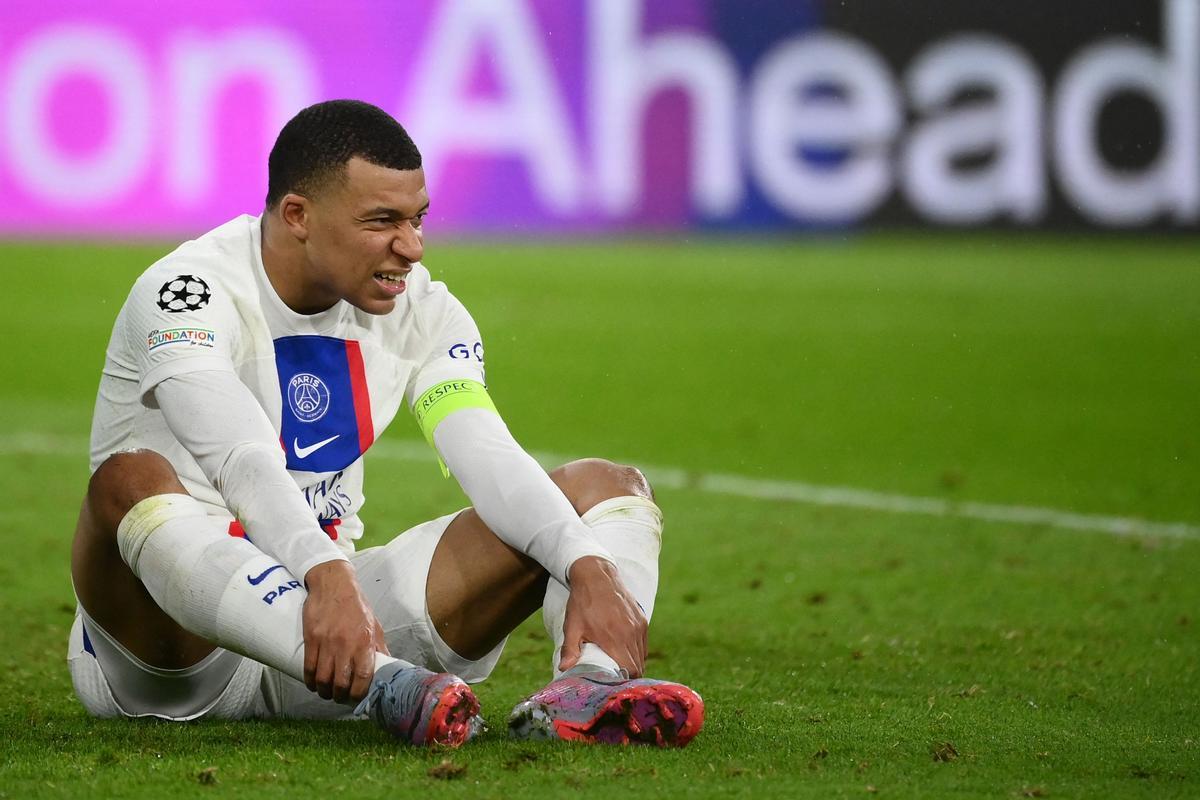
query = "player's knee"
{"x": 589, "y": 481}
{"x": 125, "y": 479}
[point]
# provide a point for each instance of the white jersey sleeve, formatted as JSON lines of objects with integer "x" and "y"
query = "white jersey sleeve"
{"x": 181, "y": 329}
{"x": 456, "y": 352}
{"x": 175, "y": 323}
{"x": 221, "y": 424}
{"x": 511, "y": 493}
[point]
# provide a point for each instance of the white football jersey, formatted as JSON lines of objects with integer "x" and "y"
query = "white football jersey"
{"x": 330, "y": 383}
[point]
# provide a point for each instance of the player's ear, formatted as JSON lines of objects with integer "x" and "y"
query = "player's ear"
{"x": 293, "y": 212}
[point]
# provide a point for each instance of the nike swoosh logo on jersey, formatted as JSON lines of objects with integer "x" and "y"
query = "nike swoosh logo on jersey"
{"x": 255, "y": 581}
{"x": 305, "y": 452}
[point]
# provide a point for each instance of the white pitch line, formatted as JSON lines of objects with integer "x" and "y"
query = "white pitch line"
{"x": 754, "y": 488}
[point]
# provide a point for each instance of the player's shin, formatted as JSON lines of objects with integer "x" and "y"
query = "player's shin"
{"x": 230, "y": 592}
{"x": 219, "y": 587}
{"x": 630, "y": 528}
{"x": 587, "y": 705}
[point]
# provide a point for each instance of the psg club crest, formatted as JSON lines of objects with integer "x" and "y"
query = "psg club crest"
{"x": 325, "y": 416}
{"x": 308, "y": 397}
{"x": 183, "y": 293}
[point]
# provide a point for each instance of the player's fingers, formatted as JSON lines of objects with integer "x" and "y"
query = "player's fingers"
{"x": 346, "y": 666}
{"x": 343, "y": 678}
{"x": 626, "y": 659}
{"x": 626, "y": 646}
{"x": 639, "y": 664}
{"x": 310, "y": 667}
{"x": 380, "y": 641}
{"x": 311, "y": 651}
{"x": 568, "y": 656}
{"x": 364, "y": 671}
{"x": 363, "y": 674}
{"x": 324, "y": 673}
{"x": 642, "y": 648}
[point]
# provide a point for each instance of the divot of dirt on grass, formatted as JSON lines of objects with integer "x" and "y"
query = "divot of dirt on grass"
{"x": 945, "y": 751}
{"x": 622, "y": 771}
{"x": 520, "y": 759}
{"x": 207, "y": 776}
{"x": 447, "y": 770}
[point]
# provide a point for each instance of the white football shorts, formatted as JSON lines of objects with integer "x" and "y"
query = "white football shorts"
{"x": 112, "y": 682}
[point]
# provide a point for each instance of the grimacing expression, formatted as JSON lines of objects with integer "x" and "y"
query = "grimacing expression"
{"x": 364, "y": 235}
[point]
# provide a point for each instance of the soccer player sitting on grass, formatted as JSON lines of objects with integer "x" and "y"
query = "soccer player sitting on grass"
{"x": 247, "y": 374}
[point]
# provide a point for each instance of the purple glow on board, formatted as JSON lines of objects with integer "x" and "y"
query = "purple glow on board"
{"x": 179, "y": 184}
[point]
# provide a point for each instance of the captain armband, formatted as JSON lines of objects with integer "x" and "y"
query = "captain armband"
{"x": 442, "y": 400}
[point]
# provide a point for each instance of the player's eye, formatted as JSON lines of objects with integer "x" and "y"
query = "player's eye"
{"x": 419, "y": 219}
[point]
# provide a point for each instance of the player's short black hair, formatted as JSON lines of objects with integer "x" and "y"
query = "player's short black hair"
{"x": 315, "y": 145}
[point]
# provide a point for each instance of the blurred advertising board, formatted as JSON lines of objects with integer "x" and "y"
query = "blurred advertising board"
{"x": 540, "y": 116}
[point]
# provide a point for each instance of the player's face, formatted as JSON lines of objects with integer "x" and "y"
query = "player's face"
{"x": 364, "y": 235}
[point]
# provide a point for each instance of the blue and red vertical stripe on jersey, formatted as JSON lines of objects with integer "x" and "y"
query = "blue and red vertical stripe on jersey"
{"x": 326, "y": 416}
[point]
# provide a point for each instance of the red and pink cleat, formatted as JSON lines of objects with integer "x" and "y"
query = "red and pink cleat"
{"x": 599, "y": 707}
{"x": 422, "y": 707}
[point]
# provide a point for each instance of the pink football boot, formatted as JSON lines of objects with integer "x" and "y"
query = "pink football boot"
{"x": 422, "y": 707}
{"x": 586, "y": 705}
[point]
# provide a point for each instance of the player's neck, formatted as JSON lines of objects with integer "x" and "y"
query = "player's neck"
{"x": 283, "y": 262}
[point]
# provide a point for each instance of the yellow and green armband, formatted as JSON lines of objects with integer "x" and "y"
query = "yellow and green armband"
{"x": 443, "y": 399}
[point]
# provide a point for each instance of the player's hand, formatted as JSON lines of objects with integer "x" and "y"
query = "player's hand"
{"x": 601, "y": 610}
{"x": 341, "y": 634}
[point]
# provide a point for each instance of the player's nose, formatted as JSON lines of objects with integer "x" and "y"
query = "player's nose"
{"x": 408, "y": 244}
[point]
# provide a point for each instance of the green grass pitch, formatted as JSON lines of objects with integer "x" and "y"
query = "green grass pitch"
{"x": 842, "y": 652}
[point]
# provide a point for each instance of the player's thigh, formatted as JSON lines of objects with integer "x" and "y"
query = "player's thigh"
{"x": 110, "y": 682}
{"x": 448, "y": 593}
{"x": 393, "y": 577}
{"x": 113, "y": 596}
{"x": 480, "y": 588}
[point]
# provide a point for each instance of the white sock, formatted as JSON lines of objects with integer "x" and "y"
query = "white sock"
{"x": 215, "y": 585}
{"x": 631, "y": 529}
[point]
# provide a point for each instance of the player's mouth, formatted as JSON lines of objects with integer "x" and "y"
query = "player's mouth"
{"x": 391, "y": 282}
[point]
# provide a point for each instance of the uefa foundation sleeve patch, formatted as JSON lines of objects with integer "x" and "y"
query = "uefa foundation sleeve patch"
{"x": 157, "y": 339}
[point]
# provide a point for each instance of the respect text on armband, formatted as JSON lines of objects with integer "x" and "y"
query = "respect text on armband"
{"x": 440, "y": 392}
